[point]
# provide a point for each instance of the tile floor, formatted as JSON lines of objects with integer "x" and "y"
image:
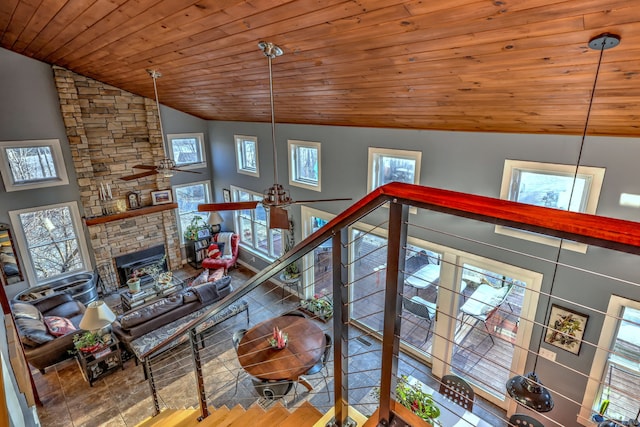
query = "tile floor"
{"x": 123, "y": 398}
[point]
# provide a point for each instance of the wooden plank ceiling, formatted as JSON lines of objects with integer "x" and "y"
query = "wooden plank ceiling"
{"x": 470, "y": 65}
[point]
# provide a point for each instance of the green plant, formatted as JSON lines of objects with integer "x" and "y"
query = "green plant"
{"x": 412, "y": 396}
{"x": 87, "y": 340}
{"x": 292, "y": 270}
{"x": 196, "y": 224}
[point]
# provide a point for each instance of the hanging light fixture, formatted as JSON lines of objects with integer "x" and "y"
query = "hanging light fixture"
{"x": 166, "y": 165}
{"x": 527, "y": 390}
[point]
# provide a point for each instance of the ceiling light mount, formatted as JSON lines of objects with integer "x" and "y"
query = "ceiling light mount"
{"x": 604, "y": 41}
{"x": 270, "y": 50}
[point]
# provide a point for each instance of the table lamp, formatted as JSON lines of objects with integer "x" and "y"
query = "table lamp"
{"x": 215, "y": 219}
{"x": 97, "y": 316}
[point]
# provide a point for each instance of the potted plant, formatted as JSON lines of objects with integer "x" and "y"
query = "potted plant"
{"x": 319, "y": 305}
{"x": 88, "y": 342}
{"x": 291, "y": 271}
{"x": 412, "y": 397}
{"x": 134, "y": 281}
{"x": 196, "y": 224}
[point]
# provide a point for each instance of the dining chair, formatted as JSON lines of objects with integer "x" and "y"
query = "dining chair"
{"x": 237, "y": 336}
{"x": 422, "y": 309}
{"x": 522, "y": 420}
{"x": 294, "y": 313}
{"x": 320, "y": 366}
{"x": 458, "y": 391}
{"x": 484, "y": 302}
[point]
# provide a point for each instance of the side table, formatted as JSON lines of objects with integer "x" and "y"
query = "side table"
{"x": 101, "y": 362}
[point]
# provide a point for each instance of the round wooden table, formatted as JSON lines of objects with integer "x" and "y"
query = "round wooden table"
{"x": 304, "y": 349}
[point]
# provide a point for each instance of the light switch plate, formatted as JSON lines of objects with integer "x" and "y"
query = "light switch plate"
{"x": 547, "y": 354}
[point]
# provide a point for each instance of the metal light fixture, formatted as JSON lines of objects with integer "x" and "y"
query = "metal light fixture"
{"x": 527, "y": 390}
{"x": 166, "y": 165}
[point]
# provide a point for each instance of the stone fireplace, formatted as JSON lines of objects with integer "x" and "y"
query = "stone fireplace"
{"x": 110, "y": 131}
{"x": 127, "y": 264}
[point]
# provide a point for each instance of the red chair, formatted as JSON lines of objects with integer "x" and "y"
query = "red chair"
{"x": 223, "y": 261}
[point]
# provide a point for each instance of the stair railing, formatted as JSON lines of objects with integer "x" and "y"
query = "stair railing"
{"x": 609, "y": 233}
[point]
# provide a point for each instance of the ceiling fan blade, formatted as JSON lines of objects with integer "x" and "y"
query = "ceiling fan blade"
{"x": 138, "y": 175}
{"x": 184, "y": 170}
{"x": 233, "y": 206}
{"x": 151, "y": 167}
{"x": 278, "y": 218}
{"x": 319, "y": 200}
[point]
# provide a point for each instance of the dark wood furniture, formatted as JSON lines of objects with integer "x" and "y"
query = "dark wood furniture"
{"x": 97, "y": 364}
{"x": 196, "y": 250}
{"x": 304, "y": 349}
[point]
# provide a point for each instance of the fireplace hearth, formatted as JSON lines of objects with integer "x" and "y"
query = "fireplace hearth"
{"x": 128, "y": 263}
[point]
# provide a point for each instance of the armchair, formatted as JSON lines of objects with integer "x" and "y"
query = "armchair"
{"x": 227, "y": 257}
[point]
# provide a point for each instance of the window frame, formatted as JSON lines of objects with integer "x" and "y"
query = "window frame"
{"x": 10, "y": 185}
{"x": 292, "y": 148}
{"x": 376, "y": 156}
{"x": 608, "y": 334}
{"x": 208, "y": 198}
{"x": 270, "y": 255}
{"x": 23, "y": 246}
{"x": 241, "y": 166}
{"x": 588, "y": 203}
{"x": 199, "y": 137}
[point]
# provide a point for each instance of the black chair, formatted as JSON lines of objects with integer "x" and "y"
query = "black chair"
{"x": 422, "y": 309}
{"x": 318, "y": 367}
{"x": 458, "y": 391}
{"x": 237, "y": 336}
{"x": 272, "y": 390}
{"x": 294, "y": 313}
{"x": 522, "y": 420}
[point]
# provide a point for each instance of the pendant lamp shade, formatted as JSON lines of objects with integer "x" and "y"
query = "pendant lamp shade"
{"x": 529, "y": 392}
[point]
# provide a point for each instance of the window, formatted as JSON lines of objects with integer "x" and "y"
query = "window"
{"x": 187, "y": 150}
{"x": 51, "y": 241}
{"x": 253, "y": 229}
{"x": 615, "y": 373}
{"x": 387, "y": 165}
{"x": 247, "y": 155}
{"x": 188, "y": 197}
{"x": 304, "y": 164}
{"x": 550, "y": 185}
{"x": 32, "y": 164}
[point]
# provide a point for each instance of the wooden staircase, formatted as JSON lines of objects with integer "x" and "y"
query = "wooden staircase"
{"x": 255, "y": 416}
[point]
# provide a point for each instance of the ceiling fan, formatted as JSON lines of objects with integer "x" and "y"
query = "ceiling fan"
{"x": 275, "y": 198}
{"x": 166, "y": 166}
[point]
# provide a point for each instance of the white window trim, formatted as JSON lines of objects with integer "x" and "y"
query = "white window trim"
{"x": 239, "y": 160}
{"x": 23, "y": 247}
{"x": 597, "y": 177}
{"x": 607, "y": 335}
{"x": 199, "y": 137}
{"x": 58, "y": 160}
{"x": 208, "y": 199}
{"x": 372, "y": 171}
{"x": 292, "y": 144}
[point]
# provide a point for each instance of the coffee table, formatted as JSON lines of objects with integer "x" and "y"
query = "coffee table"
{"x": 149, "y": 293}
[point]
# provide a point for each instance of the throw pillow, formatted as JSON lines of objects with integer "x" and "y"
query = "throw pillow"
{"x": 202, "y": 278}
{"x": 214, "y": 252}
{"x": 23, "y": 310}
{"x": 58, "y": 326}
{"x": 216, "y": 275}
{"x": 33, "y": 332}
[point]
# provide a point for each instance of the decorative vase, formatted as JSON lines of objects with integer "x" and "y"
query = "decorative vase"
{"x": 134, "y": 285}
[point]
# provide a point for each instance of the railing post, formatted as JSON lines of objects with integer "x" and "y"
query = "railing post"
{"x": 204, "y": 410}
{"x": 146, "y": 364}
{"x": 340, "y": 326}
{"x": 396, "y": 250}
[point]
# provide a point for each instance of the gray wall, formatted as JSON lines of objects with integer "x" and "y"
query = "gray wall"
{"x": 470, "y": 163}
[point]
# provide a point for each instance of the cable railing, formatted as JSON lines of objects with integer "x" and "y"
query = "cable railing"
{"x": 377, "y": 340}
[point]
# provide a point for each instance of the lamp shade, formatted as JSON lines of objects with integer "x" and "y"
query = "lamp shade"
{"x": 97, "y": 316}
{"x": 215, "y": 218}
{"x": 528, "y": 391}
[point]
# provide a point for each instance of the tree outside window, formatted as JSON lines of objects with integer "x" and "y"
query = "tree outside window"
{"x": 188, "y": 197}
{"x": 32, "y": 164}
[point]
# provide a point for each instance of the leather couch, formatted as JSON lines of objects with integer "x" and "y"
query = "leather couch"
{"x": 41, "y": 348}
{"x": 146, "y": 318}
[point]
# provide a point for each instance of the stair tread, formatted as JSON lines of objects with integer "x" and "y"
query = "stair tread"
{"x": 305, "y": 415}
{"x": 151, "y": 421}
{"x": 234, "y": 413}
{"x": 274, "y": 416}
{"x": 183, "y": 418}
{"x": 251, "y": 415}
{"x": 217, "y": 416}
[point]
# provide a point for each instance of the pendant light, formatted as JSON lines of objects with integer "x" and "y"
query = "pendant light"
{"x": 527, "y": 390}
{"x": 166, "y": 165}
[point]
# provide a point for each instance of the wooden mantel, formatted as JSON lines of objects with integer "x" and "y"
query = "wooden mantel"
{"x": 130, "y": 213}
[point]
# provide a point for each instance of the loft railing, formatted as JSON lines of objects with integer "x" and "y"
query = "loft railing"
{"x": 618, "y": 235}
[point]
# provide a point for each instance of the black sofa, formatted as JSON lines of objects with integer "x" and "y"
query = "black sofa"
{"x": 141, "y": 320}
{"x": 41, "y": 348}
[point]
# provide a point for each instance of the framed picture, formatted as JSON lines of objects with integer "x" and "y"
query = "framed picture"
{"x": 226, "y": 195}
{"x": 161, "y": 197}
{"x": 565, "y": 328}
{"x": 204, "y": 233}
